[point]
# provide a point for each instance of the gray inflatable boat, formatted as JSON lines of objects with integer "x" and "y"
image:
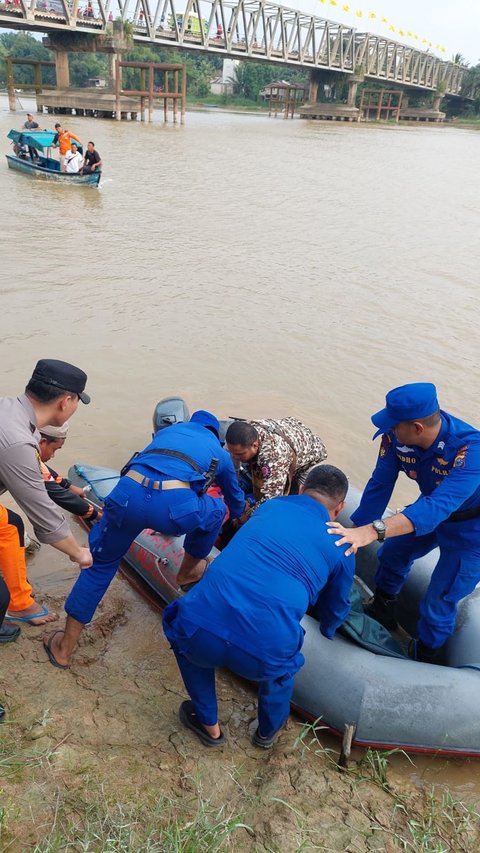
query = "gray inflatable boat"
{"x": 390, "y": 701}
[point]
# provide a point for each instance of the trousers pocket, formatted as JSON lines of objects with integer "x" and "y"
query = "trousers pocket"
{"x": 116, "y": 506}
{"x": 184, "y": 514}
{"x": 466, "y": 579}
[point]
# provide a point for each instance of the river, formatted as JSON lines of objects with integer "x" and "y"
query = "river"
{"x": 257, "y": 267}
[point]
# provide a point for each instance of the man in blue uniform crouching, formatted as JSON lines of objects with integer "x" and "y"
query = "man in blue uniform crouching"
{"x": 245, "y": 613}
{"x": 442, "y": 455}
{"x": 163, "y": 488}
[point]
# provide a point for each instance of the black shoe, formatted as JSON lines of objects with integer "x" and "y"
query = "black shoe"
{"x": 382, "y": 607}
{"x": 420, "y": 652}
{"x": 2, "y": 712}
{"x": 9, "y": 633}
{"x": 264, "y": 742}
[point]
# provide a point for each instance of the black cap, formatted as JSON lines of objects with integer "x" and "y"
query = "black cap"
{"x": 66, "y": 377}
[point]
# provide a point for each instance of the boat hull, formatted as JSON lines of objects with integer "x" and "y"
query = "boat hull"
{"x": 43, "y": 169}
{"x": 391, "y": 702}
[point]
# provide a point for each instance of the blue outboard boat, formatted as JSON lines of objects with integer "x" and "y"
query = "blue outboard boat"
{"x": 43, "y": 166}
{"x": 391, "y": 701}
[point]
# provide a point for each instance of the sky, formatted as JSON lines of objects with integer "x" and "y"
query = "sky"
{"x": 452, "y": 24}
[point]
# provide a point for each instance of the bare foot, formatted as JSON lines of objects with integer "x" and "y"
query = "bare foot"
{"x": 53, "y": 646}
{"x": 28, "y": 615}
{"x": 193, "y": 577}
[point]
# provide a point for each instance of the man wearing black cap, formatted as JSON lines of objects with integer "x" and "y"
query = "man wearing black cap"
{"x": 442, "y": 454}
{"x": 51, "y": 397}
{"x": 164, "y": 488}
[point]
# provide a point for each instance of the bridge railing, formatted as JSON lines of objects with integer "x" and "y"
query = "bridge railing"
{"x": 254, "y": 29}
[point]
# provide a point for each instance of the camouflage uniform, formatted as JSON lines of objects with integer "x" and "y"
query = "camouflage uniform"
{"x": 271, "y": 469}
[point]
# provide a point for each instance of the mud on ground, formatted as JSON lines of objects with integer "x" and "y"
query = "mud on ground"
{"x": 95, "y": 759}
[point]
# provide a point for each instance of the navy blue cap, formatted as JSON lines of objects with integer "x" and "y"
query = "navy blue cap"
{"x": 406, "y": 403}
{"x": 62, "y": 375}
{"x": 206, "y": 419}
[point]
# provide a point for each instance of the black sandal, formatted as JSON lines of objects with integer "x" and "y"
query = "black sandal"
{"x": 189, "y": 719}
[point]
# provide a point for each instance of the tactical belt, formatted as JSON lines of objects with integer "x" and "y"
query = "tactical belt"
{"x": 158, "y": 485}
{"x": 209, "y": 475}
{"x": 464, "y": 515}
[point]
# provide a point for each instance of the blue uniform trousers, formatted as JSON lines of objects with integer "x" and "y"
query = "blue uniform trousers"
{"x": 129, "y": 509}
{"x": 198, "y": 652}
{"x": 455, "y": 576}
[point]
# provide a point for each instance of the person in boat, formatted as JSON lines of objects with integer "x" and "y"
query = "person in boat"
{"x": 442, "y": 455}
{"x": 73, "y": 160}
{"x": 51, "y": 396}
{"x": 61, "y": 490}
{"x": 63, "y": 139}
{"x": 277, "y": 453}
{"x": 162, "y": 487}
{"x": 92, "y": 161}
{"x": 31, "y": 124}
{"x": 245, "y": 613}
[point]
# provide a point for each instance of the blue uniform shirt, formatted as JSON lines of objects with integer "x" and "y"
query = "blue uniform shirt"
{"x": 447, "y": 473}
{"x": 257, "y": 591}
{"x": 202, "y": 446}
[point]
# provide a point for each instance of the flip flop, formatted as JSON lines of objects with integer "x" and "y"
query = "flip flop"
{"x": 27, "y": 619}
{"x": 52, "y": 659}
{"x": 264, "y": 742}
{"x": 189, "y": 719}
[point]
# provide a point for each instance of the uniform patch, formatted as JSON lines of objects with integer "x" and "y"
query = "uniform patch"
{"x": 442, "y": 461}
{"x": 459, "y": 461}
{"x": 265, "y": 471}
{"x": 385, "y": 445}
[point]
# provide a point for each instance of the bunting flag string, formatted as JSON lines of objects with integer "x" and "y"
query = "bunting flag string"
{"x": 402, "y": 32}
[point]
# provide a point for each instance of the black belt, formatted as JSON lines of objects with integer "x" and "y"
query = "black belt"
{"x": 464, "y": 515}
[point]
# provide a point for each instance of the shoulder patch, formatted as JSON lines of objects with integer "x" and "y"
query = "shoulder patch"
{"x": 385, "y": 445}
{"x": 265, "y": 471}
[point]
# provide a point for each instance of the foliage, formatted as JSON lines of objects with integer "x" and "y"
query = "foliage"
{"x": 251, "y": 77}
{"x": 23, "y": 45}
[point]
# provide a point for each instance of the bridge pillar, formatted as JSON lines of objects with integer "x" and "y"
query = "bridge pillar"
{"x": 313, "y": 88}
{"x": 353, "y": 84}
{"x": 437, "y": 100}
{"x": 62, "y": 69}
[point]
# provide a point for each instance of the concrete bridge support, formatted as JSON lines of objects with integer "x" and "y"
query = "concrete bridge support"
{"x": 313, "y": 87}
{"x": 62, "y": 69}
{"x": 353, "y": 85}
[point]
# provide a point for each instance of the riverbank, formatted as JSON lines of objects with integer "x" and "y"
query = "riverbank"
{"x": 95, "y": 759}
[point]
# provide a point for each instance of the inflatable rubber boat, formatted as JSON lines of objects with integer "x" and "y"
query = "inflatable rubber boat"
{"x": 390, "y": 700}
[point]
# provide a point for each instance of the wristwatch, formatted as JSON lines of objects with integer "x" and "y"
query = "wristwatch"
{"x": 380, "y": 529}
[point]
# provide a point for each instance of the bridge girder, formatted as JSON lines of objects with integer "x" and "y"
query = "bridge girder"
{"x": 245, "y": 29}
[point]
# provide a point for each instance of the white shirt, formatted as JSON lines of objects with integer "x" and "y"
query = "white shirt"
{"x": 73, "y": 162}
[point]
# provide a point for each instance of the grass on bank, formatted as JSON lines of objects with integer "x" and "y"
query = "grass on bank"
{"x": 435, "y": 822}
{"x": 82, "y": 816}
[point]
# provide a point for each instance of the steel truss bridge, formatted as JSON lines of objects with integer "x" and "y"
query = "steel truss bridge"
{"x": 244, "y": 29}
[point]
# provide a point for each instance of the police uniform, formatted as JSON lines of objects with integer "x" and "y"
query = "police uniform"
{"x": 20, "y": 473}
{"x": 287, "y": 450}
{"x": 246, "y": 612}
{"x": 161, "y": 491}
{"x": 447, "y": 515}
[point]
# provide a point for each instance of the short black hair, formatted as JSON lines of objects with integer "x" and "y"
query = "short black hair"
{"x": 91, "y": 143}
{"x": 430, "y": 421}
{"x": 45, "y": 393}
{"x": 329, "y": 482}
{"x": 242, "y": 433}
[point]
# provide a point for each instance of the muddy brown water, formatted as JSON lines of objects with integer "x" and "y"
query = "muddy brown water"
{"x": 257, "y": 267}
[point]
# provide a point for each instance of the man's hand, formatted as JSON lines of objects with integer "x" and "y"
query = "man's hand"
{"x": 83, "y": 557}
{"x": 356, "y": 537}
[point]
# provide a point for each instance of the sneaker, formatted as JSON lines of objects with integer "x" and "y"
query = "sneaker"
{"x": 9, "y": 633}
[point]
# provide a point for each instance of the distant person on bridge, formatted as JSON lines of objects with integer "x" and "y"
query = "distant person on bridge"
{"x": 277, "y": 453}
{"x": 245, "y": 613}
{"x": 442, "y": 455}
{"x": 63, "y": 140}
{"x": 163, "y": 487}
{"x": 92, "y": 161}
